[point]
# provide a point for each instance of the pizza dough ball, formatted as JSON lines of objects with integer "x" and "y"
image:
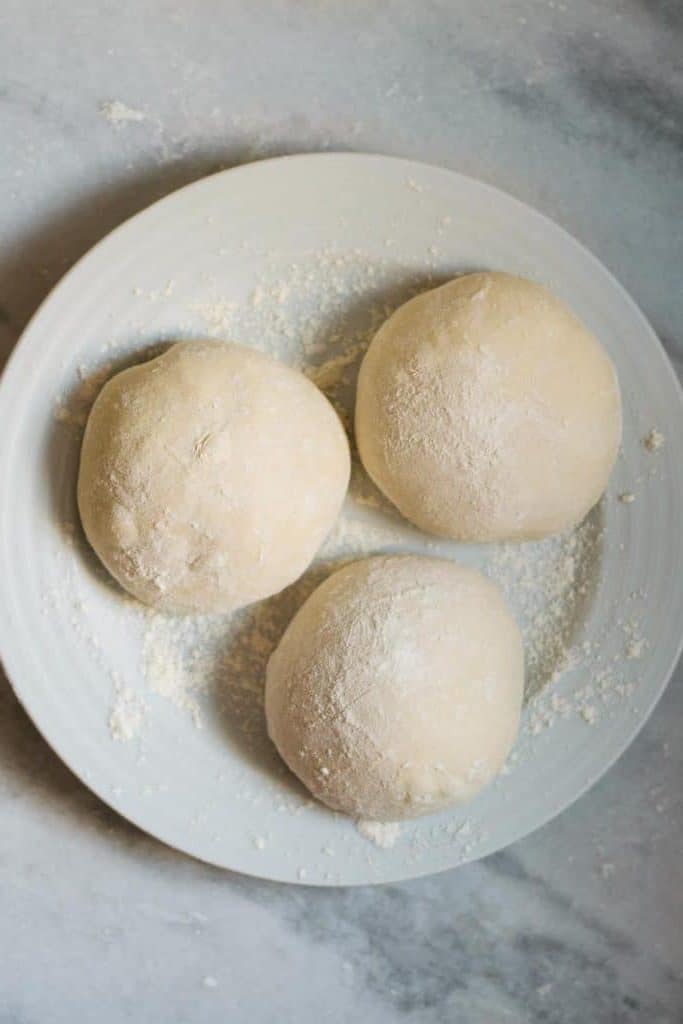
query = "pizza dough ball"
{"x": 396, "y": 689}
{"x": 210, "y": 476}
{"x": 486, "y": 411}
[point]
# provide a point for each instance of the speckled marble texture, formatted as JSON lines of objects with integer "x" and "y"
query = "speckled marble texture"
{"x": 577, "y": 108}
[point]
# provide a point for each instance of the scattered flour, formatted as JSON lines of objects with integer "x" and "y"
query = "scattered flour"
{"x": 127, "y": 715}
{"x": 653, "y": 440}
{"x": 636, "y": 648}
{"x": 218, "y": 316}
{"x": 218, "y": 661}
{"x": 118, "y": 113}
{"x": 382, "y": 833}
{"x": 590, "y": 702}
{"x": 548, "y": 584}
{"x": 173, "y": 668}
{"x": 460, "y": 837}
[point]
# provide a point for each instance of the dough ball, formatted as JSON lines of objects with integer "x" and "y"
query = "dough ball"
{"x": 396, "y": 689}
{"x": 210, "y": 476}
{"x": 486, "y": 411}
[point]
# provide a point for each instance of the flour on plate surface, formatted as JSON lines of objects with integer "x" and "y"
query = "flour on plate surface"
{"x": 127, "y": 715}
{"x": 382, "y": 833}
{"x": 117, "y": 112}
{"x": 653, "y": 440}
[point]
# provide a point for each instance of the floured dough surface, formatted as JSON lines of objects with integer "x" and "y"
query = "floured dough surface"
{"x": 396, "y": 689}
{"x": 486, "y": 411}
{"x": 209, "y": 476}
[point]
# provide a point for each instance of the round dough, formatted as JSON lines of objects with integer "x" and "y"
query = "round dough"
{"x": 486, "y": 411}
{"x": 396, "y": 689}
{"x": 210, "y": 476}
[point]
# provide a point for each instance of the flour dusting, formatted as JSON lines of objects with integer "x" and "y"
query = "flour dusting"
{"x": 653, "y": 440}
{"x": 127, "y": 715}
{"x": 548, "y": 584}
{"x": 118, "y": 113}
{"x": 382, "y": 833}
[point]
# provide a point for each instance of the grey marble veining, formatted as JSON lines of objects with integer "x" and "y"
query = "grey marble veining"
{"x": 576, "y": 107}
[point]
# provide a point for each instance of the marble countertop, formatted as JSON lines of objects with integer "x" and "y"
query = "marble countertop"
{"x": 575, "y": 107}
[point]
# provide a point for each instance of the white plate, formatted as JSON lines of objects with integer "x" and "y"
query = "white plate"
{"x": 344, "y": 233}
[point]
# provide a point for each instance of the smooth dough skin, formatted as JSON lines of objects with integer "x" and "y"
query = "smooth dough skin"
{"x": 396, "y": 689}
{"x": 210, "y": 476}
{"x": 486, "y": 411}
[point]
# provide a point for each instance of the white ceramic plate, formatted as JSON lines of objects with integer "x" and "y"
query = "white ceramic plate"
{"x": 240, "y": 254}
